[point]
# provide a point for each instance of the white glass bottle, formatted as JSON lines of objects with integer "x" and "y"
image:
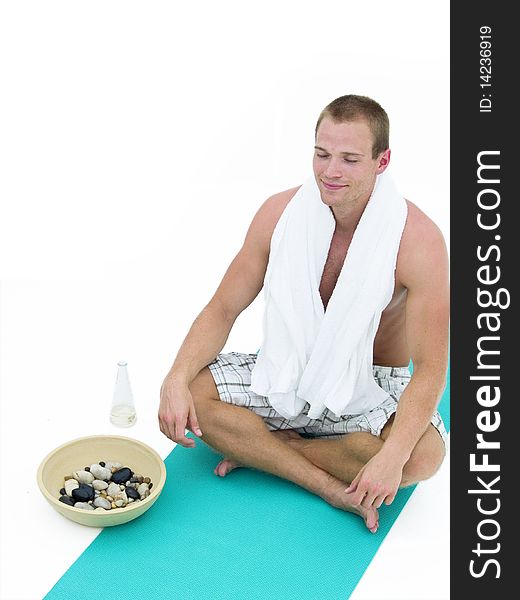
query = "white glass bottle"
{"x": 123, "y": 408}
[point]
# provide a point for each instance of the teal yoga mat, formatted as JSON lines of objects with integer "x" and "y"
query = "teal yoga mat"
{"x": 248, "y": 536}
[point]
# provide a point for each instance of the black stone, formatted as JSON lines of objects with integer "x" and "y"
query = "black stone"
{"x": 67, "y": 500}
{"x": 87, "y": 469}
{"x": 101, "y": 463}
{"x": 122, "y": 476}
{"x": 132, "y": 493}
{"x": 84, "y": 493}
{"x": 63, "y": 492}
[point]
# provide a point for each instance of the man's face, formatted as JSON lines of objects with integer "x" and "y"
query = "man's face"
{"x": 343, "y": 165}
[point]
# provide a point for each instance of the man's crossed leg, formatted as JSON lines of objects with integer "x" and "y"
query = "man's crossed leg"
{"x": 324, "y": 467}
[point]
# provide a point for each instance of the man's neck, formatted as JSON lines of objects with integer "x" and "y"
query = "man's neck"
{"x": 347, "y": 217}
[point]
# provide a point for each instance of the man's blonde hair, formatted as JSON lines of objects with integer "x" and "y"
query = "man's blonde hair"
{"x": 360, "y": 108}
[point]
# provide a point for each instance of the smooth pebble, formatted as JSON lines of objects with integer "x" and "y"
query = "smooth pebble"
{"x": 84, "y": 505}
{"x": 122, "y": 475}
{"x": 102, "y": 503}
{"x": 112, "y": 464}
{"x": 97, "y": 484}
{"x": 132, "y": 493}
{"x": 100, "y": 472}
{"x": 143, "y": 491}
{"x": 71, "y": 484}
{"x": 67, "y": 500}
{"x": 84, "y": 493}
{"x": 121, "y": 499}
{"x": 113, "y": 489}
{"x": 83, "y": 476}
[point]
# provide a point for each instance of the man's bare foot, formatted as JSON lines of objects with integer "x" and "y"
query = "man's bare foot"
{"x": 335, "y": 495}
{"x": 226, "y": 465}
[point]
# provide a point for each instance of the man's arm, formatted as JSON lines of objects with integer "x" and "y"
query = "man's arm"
{"x": 240, "y": 285}
{"x": 427, "y": 318}
{"x": 423, "y": 270}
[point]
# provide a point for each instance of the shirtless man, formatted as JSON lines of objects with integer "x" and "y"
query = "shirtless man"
{"x": 359, "y": 470}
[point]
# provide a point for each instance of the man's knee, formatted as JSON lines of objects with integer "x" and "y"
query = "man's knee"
{"x": 203, "y": 387}
{"x": 426, "y": 457}
{"x": 205, "y": 397}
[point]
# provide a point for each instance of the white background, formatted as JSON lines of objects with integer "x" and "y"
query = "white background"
{"x": 137, "y": 142}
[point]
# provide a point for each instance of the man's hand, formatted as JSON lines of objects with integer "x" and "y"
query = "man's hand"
{"x": 177, "y": 412}
{"x": 378, "y": 481}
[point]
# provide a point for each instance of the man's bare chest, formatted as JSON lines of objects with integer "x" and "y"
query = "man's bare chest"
{"x": 333, "y": 265}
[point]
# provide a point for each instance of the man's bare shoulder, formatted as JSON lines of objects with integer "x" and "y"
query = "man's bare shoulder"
{"x": 270, "y": 212}
{"x": 423, "y": 250}
{"x": 274, "y": 206}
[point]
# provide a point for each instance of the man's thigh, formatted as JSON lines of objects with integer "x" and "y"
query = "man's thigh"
{"x": 203, "y": 387}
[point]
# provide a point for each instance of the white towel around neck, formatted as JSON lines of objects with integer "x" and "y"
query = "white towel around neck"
{"x": 320, "y": 357}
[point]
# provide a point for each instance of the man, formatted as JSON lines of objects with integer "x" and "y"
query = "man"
{"x": 353, "y": 461}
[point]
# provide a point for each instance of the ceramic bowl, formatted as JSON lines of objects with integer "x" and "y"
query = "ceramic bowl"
{"x": 84, "y": 451}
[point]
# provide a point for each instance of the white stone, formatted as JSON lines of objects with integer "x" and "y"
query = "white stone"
{"x": 83, "y": 476}
{"x": 100, "y": 472}
{"x": 113, "y": 489}
{"x": 143, "y": 491}
{"x": 102, "y": 503}
{"x": 121, "y": 499}
{"x": 97, "y": 484}
{"x": 71, "y": 484}
{"x": 84, "y": 505}
{"x": 110, "y": 464}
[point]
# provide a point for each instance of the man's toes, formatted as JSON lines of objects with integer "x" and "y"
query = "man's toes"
{"x": 372, "y": 519}
{"x": 225, "y": 466}
{"x": 220, "y": 469}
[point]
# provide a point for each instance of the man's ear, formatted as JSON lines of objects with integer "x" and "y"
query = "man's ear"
{"x": 383, "y": 161}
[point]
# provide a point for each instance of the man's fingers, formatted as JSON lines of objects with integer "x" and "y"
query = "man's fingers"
{"x": 379, "y": 500}
{"x": 359, "y": 495}
{"x": 193, "y": 422}
{"x": 368, "y": 500}
{"x": 186, "y": 442}
{"x": 389, "y": 499}
{"x": 180, "y": 437}
{"x": 359, "y": 490}
{"x": 353, "y": 486}
{"x": 165, "y": 428}
{"x": 175, "y": 430}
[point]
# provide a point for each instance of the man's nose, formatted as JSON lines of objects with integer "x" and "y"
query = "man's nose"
{"x": 333, "y": 168}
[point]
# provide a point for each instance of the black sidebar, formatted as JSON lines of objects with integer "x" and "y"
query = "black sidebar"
{"x": 485, "y": 356}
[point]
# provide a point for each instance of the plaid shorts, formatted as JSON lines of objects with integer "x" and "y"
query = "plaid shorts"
{"x": 232, "y": 375}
